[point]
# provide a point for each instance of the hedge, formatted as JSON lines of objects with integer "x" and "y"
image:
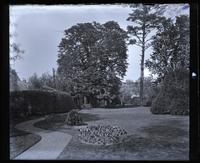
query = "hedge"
{"x": 39, "y": 102}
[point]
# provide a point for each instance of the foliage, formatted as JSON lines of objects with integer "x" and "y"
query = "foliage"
{"x": 74, "y": 118}
{"x": 45, "y": 80}
{"x": 128, "y": 89}
{"x": 34, "y": 82}
{"x": 15, "y": 50}
{"x": 170, "y": 61}
{"x": 170, "y": 47}
{"x": 13, "y": 80}
{"x": 173, "y": 97}
{"x": 92, "y": 56}
{"x": 36, "y": 102}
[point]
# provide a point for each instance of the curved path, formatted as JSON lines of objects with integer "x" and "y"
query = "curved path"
{"x": 49, "y": 147}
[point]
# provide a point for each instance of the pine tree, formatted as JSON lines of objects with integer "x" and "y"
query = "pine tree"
{"x": 145, "y": 17}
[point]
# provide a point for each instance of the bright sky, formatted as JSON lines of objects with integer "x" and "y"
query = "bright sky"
{"x": 40, "y": 29}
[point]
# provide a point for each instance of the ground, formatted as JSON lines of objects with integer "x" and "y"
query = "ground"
{"x": 21, "y": 140}
{"x": 150, "y": 137}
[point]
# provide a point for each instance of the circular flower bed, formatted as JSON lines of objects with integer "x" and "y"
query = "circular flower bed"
{"x": 101, "y": 135}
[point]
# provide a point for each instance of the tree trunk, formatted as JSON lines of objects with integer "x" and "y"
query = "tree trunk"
{"x": 142, "y": 78}
{"x": 142, "y": 66}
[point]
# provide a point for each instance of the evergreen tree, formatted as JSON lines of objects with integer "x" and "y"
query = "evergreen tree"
{"x": 145, "y": 19}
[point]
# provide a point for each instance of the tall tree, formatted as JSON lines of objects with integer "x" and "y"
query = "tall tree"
{"x": 92, "y": 56}
{"x": 170, "y": 61}
{"x": 170, "y": 47}
{"x": 145, "y": 17}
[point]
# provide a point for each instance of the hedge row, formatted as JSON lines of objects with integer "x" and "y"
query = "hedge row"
{"x": 38, "y": 102}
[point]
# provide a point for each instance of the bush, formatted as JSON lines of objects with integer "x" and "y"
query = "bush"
{"x": 74, "y": 118}
{"x": 38, "y": 102}
{"x": 180, "y": 103}
{"x": 173, "y": 97}
{"x": 160, "y": 104}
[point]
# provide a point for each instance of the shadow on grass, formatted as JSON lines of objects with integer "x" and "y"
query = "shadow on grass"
{"x": 14, "y": 121}
{"x": 59, "y": 120}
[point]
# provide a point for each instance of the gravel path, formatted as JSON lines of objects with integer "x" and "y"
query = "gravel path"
{"x": 50, "y": 146}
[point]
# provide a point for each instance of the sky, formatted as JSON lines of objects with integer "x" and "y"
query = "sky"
{"x": 38, "y": 29}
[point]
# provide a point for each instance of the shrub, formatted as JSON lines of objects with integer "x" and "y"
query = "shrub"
{"x": 180, "y": 103}
{"x": 74, "y": 118}
{"x": 173, "y": 97}
{"x": 160, "y": 104}
{"x": 38, "y": 102}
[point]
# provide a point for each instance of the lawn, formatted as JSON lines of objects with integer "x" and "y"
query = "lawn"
{"x": 150, "y": 137}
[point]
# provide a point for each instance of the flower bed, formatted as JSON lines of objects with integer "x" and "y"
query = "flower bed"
{"x": 101, "y": 135}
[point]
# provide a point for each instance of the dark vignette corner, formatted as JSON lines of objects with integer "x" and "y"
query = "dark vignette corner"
{"x": 4, "y": 109}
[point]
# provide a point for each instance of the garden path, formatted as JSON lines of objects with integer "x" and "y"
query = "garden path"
{"x": 49, "y": 147}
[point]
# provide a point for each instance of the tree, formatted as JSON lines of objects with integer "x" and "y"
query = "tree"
{"x": 47, "y": 80}
{"x": 92, "y": 56}
{"x": 14, "y": 80}
{"x": 170, "y": 47}
{"x": 170, "y": 61}
{"x": 34, "y": 82}
{"x": 15, "y": 50}
{"x": 145, "y": 17}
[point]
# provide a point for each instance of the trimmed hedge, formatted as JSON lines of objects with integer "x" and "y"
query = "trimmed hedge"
{"x": 39, "y": 102}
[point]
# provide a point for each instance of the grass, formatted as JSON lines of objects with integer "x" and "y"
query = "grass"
{"x": 150, "y": 137}
{"x": 133, "y": 147}
{"x": 13, "y": 121}
{"x": 58, "y": 121}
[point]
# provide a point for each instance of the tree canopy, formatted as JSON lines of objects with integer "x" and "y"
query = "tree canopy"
{"x": 170, "y": 47}
{"x": 92, "y": 56}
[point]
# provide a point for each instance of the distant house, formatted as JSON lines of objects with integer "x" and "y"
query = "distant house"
{"x": 129, "y": 92}
{"x": 135, "y": 99}
{"x": 134, "y": 96}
